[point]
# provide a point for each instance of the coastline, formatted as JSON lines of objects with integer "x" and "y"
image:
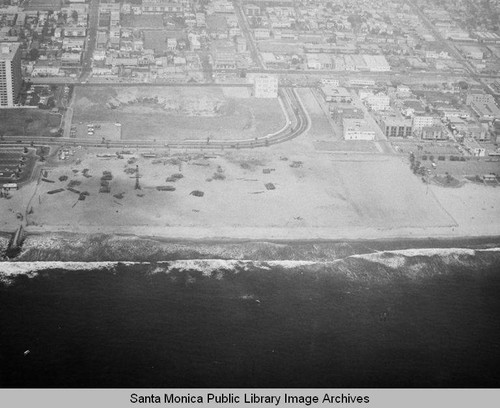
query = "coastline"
{"x": 102, "y": 247}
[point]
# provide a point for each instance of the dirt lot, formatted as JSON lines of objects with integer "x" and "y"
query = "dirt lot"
{"x": 178, "y": 113}
{"x": 29, "y": 122}
{"x": 321, "y": 129}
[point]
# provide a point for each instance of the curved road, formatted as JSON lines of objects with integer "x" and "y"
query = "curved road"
{"x": 297, "y": 125}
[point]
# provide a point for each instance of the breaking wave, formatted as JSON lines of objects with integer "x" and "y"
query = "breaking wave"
{"x": 381, "y": 266}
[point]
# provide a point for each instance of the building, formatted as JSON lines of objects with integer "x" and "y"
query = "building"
{"x": 477, "y": 131}
{"x": 161, "y": 7}
{"x": 486, "y": 111}
{"x": 330, "y": 81}
{"x": 421, "y": 121}
{"x": 479, "y": 98}
{"x": 252, "y": 10}
{"x": 376, "y": 63}
{"x": 241, "y": 44}
{"x": 357, "y": 129}
{"x": 10, "y": 74}
{"x": 396, "y": 127}
{"x": 474, "y": 147}
{"x": 339, "y": 113}
{"x": 336, "y": 94}
{"x": 265, "y": 86}
{"x": 377, "y": 102}
{"x": 434, "y": 133}
{"x": 361, "y": 82}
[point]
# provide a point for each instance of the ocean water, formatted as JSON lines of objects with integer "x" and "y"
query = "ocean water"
{"x": 413, "y": 317}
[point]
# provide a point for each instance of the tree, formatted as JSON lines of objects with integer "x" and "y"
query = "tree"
{"x": 74, "y": 15}
{"x": 34, "y": 54}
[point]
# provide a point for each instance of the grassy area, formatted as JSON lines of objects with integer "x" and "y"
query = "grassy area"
{"x": 178, "y": 113}
{"x": 27, "y": 122}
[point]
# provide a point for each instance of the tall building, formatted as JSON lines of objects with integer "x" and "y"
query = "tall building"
{"x": 10, "y": 74}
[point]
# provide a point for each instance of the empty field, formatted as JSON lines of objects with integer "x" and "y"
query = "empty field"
{"x": 179, "y": 113}
{"x": 28, "y": 122}
{"x": 321, "y": 128}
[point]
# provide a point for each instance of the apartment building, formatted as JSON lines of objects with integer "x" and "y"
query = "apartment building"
{"x": 10, "y": 74}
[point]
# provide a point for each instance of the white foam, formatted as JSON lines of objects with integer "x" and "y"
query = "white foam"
{"x": 30, "y": 268}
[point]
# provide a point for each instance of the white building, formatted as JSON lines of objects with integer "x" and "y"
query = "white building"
{"x": 376, "y": 63}
{"x": 330, "y": 81}
{"x": 265, "y": 86}
{"x": 10, "y": 74}
{"x": 357, "y": 129}
{"x": 479, "y": 98}
{"x": 378, "y": 102}
{"x": 420, "y": 122}
{"x": 361, "y": 82}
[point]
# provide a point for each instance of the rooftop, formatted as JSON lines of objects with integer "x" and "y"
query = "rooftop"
{"x": 8, "y": 50}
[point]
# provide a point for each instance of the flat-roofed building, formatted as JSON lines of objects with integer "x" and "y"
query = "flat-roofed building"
{"x": 336, "y": 94}
{"x": 265, "y": 86}
{"x": 486, "y": 111}
{"x": 10, "y": 74}
{"x": 396, "y": 127}
{"x": 420, "y": 122}
{"x": 161, "y": 6}
{"x": 434, "y": 133}
{"x": 479, "y": 98}
{"x": 339, "y": 113}
{"x": 357, "y": 129}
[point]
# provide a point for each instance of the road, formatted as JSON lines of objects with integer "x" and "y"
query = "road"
{"x": 247, "y": 32}
{"x": 377, "y": 76}
{"x": 451, "y": 49}
{"x": 298, "y": 124}
{"x": 91, "y": 40}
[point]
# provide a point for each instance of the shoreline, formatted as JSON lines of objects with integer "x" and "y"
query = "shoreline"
{"x": 103, "y": 247}
{"x": 275, "y": 234}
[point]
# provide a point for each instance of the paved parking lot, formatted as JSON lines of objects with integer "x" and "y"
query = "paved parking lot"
{"x": 9, "y": 162}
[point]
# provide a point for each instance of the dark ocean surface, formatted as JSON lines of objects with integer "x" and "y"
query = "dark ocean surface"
{"x": 392, "y": 318}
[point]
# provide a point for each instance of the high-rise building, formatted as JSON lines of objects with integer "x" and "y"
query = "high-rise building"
{"x": 10, "y": 74}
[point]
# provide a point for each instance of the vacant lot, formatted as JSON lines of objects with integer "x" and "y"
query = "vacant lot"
{"x": 321, "y": 128}
{"x": 28, "y": 122}
{"x": 179, "y": 113}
